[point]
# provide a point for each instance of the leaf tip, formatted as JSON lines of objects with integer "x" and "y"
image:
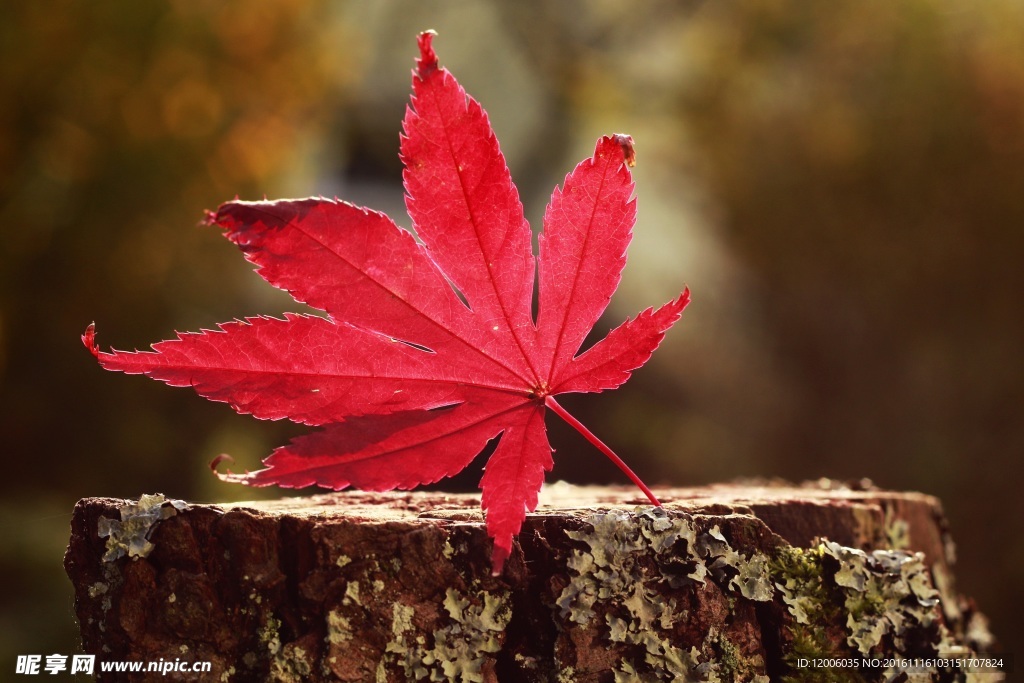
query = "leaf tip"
{"x": 684, "y": 299}
{"x": 498, "y": 557}
{"x": 427, "y": 62}
{"x": 89, "y": 340}
{"x": 227, "y": 475}
{"x": 628, "y": 151}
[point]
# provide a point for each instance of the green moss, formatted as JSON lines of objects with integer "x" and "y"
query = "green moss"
{"x": 731, "y": 664}
{"x": 846, "y": 602}
{"x": 811, "y": 599}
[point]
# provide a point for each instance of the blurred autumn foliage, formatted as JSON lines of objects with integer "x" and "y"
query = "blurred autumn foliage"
{"x": 841, "y": 184}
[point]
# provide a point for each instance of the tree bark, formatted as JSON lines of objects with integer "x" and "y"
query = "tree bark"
{"x": 723, "y": 583}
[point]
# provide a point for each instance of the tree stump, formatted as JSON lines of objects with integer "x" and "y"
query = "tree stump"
{"x": 739, "y": 582}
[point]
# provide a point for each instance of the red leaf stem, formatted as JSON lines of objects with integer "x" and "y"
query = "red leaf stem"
{"x": 561, "y": 412}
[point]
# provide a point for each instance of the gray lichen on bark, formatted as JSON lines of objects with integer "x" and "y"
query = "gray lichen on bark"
{"x": 721, "y": 584}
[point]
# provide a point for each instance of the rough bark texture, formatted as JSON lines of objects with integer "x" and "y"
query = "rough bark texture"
{"x": 723, "y": 583}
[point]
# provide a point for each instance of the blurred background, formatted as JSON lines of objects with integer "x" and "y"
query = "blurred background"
{"x": 841, "y": 184}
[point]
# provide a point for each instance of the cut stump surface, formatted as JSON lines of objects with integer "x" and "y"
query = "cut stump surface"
{"x": 724, "y": 583}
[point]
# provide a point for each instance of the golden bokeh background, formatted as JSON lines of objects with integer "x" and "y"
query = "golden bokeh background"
{"x": 841, "y": 184}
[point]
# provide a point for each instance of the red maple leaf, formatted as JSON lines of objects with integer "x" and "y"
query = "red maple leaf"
{"x": 429, "y": 350}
